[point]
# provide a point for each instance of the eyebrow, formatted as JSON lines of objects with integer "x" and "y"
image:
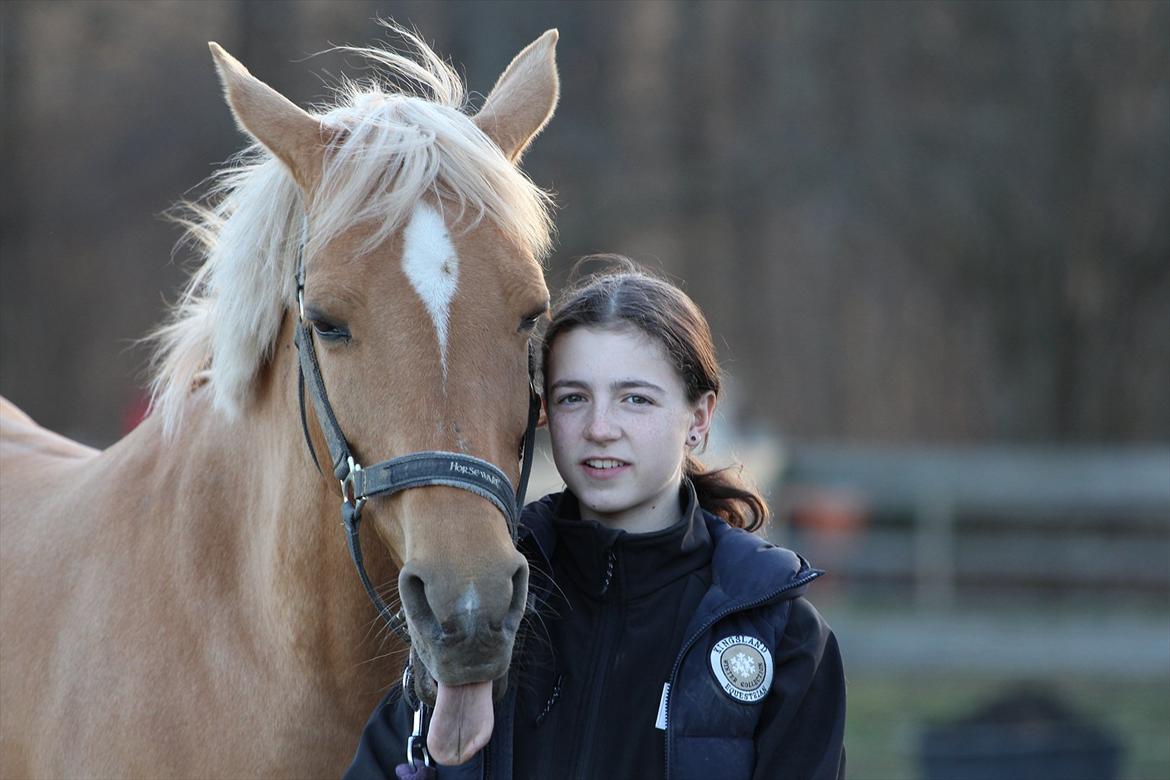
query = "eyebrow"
{"x": 621, "y": 384}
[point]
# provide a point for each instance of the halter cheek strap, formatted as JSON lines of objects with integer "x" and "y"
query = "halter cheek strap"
{"x": 358, "y": 484}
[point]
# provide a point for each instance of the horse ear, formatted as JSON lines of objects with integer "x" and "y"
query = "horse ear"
{"x": 296, "y": 138}
{"x": 524, "y": 98}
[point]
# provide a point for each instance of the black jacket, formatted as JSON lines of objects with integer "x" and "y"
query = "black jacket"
{"x": 756, "y": 685}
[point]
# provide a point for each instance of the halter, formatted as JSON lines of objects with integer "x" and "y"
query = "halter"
{"x": 360, "y": 483}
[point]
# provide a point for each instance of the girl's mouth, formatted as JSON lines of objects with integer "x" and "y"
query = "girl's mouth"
{"x": 604, "y": 468}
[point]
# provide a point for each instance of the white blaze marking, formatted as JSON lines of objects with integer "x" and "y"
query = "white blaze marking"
{"x": 431, "y": 265}
{"x": 469, "y": 601}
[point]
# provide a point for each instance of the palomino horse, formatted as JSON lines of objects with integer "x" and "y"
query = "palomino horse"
{"x": 183, "y": 603}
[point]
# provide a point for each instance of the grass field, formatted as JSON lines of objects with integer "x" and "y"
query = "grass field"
{"x": 887, "y": 713}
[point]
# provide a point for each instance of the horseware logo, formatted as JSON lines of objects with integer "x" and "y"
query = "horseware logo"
{"x": 471, "y": 471}
{"x": 743, "y": 666}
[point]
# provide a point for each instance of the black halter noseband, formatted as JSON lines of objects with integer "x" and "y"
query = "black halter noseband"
{"x": 418, "y": 469}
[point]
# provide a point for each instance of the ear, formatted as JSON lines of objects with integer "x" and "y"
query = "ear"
{"x": 287, "y": 131}
{"x": 703, "y": 413}
{"x": 524, "y": 98}
{"x": 542, "y": 419}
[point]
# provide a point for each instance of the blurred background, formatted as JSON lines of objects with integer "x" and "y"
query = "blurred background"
{"x": 932, "y": 241}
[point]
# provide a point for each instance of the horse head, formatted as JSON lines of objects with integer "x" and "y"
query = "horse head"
{"x": 421, "y": 243}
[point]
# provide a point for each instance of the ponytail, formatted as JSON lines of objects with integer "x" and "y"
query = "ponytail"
{"x": 723, "y": 493}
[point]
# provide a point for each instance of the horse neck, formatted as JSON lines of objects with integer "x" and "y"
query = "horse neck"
{"x": 286, "y": 521}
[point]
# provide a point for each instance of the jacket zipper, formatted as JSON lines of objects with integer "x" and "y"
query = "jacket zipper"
{"x": 611, "y": 558}
{"x": 602, "y": 659}
{"x": 812, "y": 575}
{"x": 552, "y": 699}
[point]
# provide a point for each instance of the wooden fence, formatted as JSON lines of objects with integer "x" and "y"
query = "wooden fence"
{"x": 944, "y": 520}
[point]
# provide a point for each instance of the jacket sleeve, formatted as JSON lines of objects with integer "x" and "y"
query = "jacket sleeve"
{"x": 383, "y": 743}
{"x": 802, "y": 728}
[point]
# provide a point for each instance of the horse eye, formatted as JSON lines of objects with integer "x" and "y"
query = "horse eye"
{"x": 329, "y": 331}
{"x": 529, "y": 322}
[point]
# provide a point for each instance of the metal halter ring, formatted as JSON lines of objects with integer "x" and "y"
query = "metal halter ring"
{"x": 349, "y": 486}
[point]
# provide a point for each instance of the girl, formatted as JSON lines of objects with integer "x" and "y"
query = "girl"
{"x": 679, "y": 644}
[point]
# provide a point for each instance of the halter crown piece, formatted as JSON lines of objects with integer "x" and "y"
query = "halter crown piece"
{"x": 360, "y": 483}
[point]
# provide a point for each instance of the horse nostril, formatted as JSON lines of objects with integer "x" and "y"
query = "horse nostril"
{"x": 519, "y": 594}
{"x": 413, "y": 592}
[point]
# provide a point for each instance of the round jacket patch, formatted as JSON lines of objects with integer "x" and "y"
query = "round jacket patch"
{"x": 743, "y": 666}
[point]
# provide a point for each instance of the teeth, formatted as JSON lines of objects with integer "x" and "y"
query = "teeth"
{"x": 603, "y": 463}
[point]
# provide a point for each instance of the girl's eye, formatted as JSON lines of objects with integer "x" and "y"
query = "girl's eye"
{"x": 638, "y": 400}
{"x": 570, "y": 398}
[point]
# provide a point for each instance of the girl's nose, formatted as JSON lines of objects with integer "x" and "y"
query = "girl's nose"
{"x": 600, "y": 427}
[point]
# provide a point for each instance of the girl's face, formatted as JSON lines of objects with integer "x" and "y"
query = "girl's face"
{"x": 619, "y": 420}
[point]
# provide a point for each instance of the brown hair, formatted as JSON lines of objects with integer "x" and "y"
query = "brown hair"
{"x": 625, "y": 295}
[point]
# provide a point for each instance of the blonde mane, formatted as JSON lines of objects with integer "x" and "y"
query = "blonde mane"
{"x": 398, "y": 138}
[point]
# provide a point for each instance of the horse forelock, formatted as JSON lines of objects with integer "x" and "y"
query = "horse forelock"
{"x": 389, "y": 151}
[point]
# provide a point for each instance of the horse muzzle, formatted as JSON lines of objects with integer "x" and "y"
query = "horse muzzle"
{"x": 463, "y": 634}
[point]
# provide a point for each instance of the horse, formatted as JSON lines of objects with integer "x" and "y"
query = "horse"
{"x": 183, "y": 603}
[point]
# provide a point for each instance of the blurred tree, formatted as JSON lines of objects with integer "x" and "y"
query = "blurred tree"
{"x": 906, "y": 221}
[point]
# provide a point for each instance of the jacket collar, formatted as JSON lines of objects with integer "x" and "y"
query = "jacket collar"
{"x": 605, "y": 562}
{"x": 745, "y": 568}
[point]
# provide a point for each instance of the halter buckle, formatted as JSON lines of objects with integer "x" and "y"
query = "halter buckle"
{"x": 349, "y": 486}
